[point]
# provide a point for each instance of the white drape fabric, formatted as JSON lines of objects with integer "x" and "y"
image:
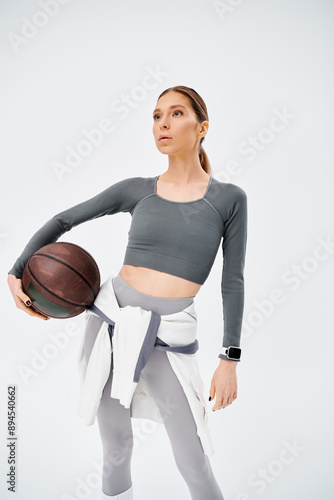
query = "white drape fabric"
{"x": 131, "y": 324}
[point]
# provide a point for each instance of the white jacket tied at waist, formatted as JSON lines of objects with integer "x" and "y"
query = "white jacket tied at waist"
{"x": 130, "y": 327}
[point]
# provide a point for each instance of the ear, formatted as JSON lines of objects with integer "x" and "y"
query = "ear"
{"x": 204, "y": 127}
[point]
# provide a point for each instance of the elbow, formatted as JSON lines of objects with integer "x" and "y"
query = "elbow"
{"x": 233, "y": 284}
{"x": 61, "y": 223}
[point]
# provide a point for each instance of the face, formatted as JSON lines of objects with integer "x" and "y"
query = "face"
{"x": 175, "y": 118}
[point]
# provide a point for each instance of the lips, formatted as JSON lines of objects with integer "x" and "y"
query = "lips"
{"x": 163, "y": 137}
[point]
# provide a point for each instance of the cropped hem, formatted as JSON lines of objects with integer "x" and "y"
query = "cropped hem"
{"x": 166, "y": 263}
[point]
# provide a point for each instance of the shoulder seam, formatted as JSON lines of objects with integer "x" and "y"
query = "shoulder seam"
{"x": 147, "y": 196}
{"x": 213, "y": 208}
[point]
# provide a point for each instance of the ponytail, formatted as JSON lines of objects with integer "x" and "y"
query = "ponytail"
{"x": 204, "y": 160}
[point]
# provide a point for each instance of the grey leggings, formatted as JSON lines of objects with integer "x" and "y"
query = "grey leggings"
{"x": 114, "y": 419}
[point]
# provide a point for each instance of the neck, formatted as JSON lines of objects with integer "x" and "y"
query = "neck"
{"x": 184, "y": 168}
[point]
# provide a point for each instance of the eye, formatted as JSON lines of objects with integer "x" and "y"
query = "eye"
{"x": 176, "y": 111}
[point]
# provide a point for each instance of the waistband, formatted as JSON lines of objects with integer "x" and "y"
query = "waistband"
{"x": 127, "y": 295}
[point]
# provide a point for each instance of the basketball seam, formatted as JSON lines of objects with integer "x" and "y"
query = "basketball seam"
{"x": 85, "y": 251}
{"x": 55, "y": 295}
{"x": 70, "y": 267}
{"x": 80, "y": 248}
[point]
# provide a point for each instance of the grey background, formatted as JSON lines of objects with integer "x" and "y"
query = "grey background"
{"x": 250, "y": 61}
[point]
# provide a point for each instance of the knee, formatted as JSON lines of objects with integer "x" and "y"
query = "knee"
{"x": 117, "y": 452}
{"x": 117, "y": 446}
{"x": 115, "y": 425}
{"x": 195, "y": 470}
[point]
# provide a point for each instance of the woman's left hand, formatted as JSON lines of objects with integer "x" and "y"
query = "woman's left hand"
{"x": 224, "y": 384}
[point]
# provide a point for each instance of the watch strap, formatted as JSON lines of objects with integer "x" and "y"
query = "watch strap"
{"x": 225, "y": 352}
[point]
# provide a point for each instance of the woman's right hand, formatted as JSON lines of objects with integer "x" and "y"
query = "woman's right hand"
{"x": 20, "y": 298}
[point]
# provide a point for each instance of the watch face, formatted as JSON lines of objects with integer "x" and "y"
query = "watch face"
{"x": 235, "y": 352}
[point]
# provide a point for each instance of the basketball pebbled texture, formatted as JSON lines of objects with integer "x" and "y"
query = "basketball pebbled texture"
{"x": 62, "y": 280}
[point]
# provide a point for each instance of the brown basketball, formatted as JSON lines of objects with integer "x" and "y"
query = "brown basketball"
{"x": 61, "y": 279}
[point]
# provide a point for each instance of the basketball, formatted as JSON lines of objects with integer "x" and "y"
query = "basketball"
{"x": 61, "y": 279}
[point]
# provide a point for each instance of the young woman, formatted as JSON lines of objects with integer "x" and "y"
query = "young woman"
{"x": 178, "y": 221}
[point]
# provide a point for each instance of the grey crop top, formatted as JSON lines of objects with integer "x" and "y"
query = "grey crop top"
{"x": 179, "y": 238}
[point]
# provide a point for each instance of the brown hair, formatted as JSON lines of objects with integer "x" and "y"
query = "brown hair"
{"x": 199, "y": 107}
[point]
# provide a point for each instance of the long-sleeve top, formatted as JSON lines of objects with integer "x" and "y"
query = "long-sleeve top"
{"x": 178, "y": 238}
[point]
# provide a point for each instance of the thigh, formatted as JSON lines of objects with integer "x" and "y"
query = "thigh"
{"x": 113, "y": 418}
{"x": 172, "y": 401}
{"x": 92, "y": 329}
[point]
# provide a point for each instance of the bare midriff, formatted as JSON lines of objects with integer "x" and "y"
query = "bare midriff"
{"x": 157, "y": 283}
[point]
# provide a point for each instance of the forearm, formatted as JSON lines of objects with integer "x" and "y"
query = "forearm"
{"x": 233, "y": 307}
{"x": 49, "y": 233}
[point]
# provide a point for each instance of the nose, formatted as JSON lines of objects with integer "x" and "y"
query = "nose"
{"x": 163, "y": 123}
{"x": 161, "y": 128}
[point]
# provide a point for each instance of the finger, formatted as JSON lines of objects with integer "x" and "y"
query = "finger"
{"x": 212, "y": 391}
{"x": 218, "y": 403}
{"x": 221, "y": 402}
{"x": 29, "y": 310}
{"x": 217, "y": 406}
{"x": 220, "y": 407}
{"x": 24, "y": 297}
{"x": 36, "y": 314}
{"x": 232, "y": 397}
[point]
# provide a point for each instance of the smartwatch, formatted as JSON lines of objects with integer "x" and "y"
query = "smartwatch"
{"x": 231, "y": 352}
